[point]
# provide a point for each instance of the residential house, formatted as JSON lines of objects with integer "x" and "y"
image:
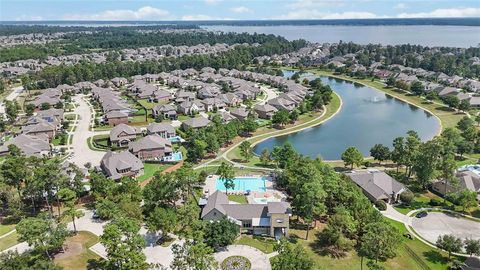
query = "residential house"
{"x": 377, "y": 185}
{"x": 240, "y": 113}
{"x": 265, "y": 111}
{"x": 467, "y": 180}
{"x": 29, "y": 145}
{"x": 161, "y": 129}
{"x": 282, "y": 104}
{"x": 191, "y": 107}
{"x": 167, "y": 111}
{"x": 43, "y": 128}
{"x": 150, "y": 147}
{"x": 196, "y": 123}
{"x": 122, "y": 134}
{"x": 118, "y": 165}
{"x": 115, "y": 118}
{"x": 212, "y": 104}
{"x": 270, "y": 219}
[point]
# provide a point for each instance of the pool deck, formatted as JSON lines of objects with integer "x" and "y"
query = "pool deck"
{"x": 211, "y": 186}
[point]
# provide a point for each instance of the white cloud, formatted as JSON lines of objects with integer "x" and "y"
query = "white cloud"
{"x": 198, "y": 17}
{"x": 29, "y": 18}
{"x": 308, "y": 14}
{"x": 143, "y": 13}
{"x": 301, "y": 4}
{"x": 241, "y": 9}
{"x": 447, "y": 12}
{"x": 400, "y": 6}
{"x": 212, "y": 2}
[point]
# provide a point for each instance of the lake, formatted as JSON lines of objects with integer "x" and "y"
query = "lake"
{"x": 427, "y": 35}
{"x": 367, "y": 117}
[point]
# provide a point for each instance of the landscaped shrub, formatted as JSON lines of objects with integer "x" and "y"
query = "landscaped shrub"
{"x": 381, "y": 205}
{"x": 435, "y": 202}
{"x": 407, "y": 197}
{"x": 236, "y": 263}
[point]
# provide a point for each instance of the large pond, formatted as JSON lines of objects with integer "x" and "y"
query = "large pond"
{"x": 367, "y": 117}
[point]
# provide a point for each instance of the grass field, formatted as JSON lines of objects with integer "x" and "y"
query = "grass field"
{"x": 8, "y": 241}
{"x": 237, "y": 198}
{"x": 265, "y": 245}
{"x": 150, "y": 169}
{"x": 77, "y": 253}
{"x": 5, "y": 228}
{"x": 411, "y": 254}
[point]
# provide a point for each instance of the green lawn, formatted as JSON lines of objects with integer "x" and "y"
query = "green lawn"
{"x": 237, "y": 198}
{"x": 266, "y": 245}
{"x": 411, "y": 254}
{"x": 6, "y": 228}
{"x": 77, "y": 253}
{"x": 8, "y": 241}
{"x": 150, "y": 169}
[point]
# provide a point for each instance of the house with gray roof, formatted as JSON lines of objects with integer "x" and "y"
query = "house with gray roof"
{"x": 150, "y": 147}
{"x": 196, "y": 123}
{"x": 282, "y": 104}
{"x": 377, "y": 185}
{"x": 467, "y": 180}
{"x": 163, "y": 130}
{"x": 167, "y": 111}
{"x": 117, "y": 165}
{"x": 265, "y": 111}
{"x": 191, "y": 107}
{"x": 122, "y": 134}
{"x": 240, "y": 113}
{"x": 28, "y": 144}
{"x": 270, "y": 219}
{"x": 42, "y": 128}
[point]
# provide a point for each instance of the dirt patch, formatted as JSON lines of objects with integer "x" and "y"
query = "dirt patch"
{"x": 71, "y": 249}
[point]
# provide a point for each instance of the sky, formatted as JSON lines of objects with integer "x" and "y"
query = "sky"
{"x": 159, "y": 10}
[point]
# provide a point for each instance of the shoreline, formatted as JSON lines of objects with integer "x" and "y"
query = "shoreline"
{"x": 353, "y": 80}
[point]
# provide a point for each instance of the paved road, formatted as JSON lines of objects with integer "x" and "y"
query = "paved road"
{"x": 16, "y": 91}
{"x": 81, "y": 152}
{"x": 439, "y": 223}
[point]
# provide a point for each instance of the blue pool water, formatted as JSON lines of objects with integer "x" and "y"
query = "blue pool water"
{"x": 176, "y": 139}
{"x": 176, "y": 156}
{"x": 244, "y": 184}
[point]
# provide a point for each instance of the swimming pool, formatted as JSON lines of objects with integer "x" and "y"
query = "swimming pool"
{"x": 244, "y": 184}
{"x": 266, "y": 200}
{"x": 175, "y": 156}
{"x": 176, "y": 139}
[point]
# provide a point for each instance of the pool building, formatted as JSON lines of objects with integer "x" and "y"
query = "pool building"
{"x": 270, "y": 219}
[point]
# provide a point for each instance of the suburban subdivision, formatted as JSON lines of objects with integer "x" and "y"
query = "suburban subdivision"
{"x": 178, "y": 145}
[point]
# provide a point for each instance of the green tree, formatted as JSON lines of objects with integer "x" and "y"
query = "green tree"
{"x": 451, "y": 101}
{"x": 352, "y": 156}
{"x": 162, "y": 219}
{"x": 308, "y": 203}
{"x": 472, "y": 246}
{"x": 465, "y": 123}
{"x": 426, "y": 162}
{"x": 380, "y": 152}
{"x": 380, "y": 242}
{"x": 227, "y": 175}
{"x": 220, "y": 233}
{"x": 417, "y": 88}
{"x": 294, "y": 116}
{"x": 124, "y": 245}
{"x": 193, "y": 255}
{"x": 464, "y": 105}
{"x": 466, "y": 199}
{"x": 281, "y": 117}
{"x": 391, "y": 81}
{"x": 68, "y": 197}
{"x": 246, "y": 150}
{"x": 265, "y": 157}
{"x": 290, "y": 257}
{"x": 449, "y": 243}
{"x": 42, "y": 233}
{"x": 398, "y": 152}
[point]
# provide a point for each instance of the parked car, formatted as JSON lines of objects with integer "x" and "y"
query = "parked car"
{"x": 421, "y": 214}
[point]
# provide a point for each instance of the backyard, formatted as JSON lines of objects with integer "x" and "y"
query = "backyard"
{"x": 77, "y": 253}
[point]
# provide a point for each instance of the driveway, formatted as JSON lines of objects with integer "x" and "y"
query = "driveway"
{"x": 258, "y": 259}
{"x": 440, "y": 223}
{"x": 81, "y": 152}
{"x": 16, "y": 91}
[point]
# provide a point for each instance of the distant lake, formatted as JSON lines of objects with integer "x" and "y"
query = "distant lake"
{"x": 367, "y": 117}
{"x": 426, "y": 35}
